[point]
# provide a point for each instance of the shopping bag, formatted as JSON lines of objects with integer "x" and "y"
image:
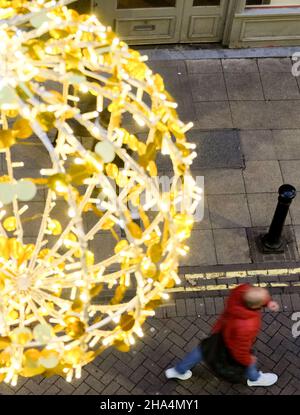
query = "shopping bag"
{"x": 218, "y": 358}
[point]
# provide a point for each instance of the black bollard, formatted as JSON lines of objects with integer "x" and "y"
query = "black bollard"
{"x": 273, "y": 242}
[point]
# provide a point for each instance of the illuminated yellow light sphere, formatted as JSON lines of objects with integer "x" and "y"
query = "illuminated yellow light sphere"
{"x": 66, "y": 76}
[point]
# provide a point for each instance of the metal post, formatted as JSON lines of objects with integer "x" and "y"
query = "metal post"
{"x": 273, "y": 242}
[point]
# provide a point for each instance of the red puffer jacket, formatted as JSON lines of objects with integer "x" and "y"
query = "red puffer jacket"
{"x": 239, "y": 325}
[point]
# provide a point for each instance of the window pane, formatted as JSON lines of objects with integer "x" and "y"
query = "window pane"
{"x": 206, "y": 3}
{"x": 143, "y": 4}
{"x": 272, "y": 3}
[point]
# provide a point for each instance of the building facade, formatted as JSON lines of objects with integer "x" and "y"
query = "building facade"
{"x": 233, "y": 23}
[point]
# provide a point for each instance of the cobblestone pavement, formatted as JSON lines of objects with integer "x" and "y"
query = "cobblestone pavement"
{"x": 177, "y": 330}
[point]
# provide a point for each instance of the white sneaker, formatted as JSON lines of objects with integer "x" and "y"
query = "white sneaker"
{"x": 265, "y": 379}
{"x": 172, "y": 373}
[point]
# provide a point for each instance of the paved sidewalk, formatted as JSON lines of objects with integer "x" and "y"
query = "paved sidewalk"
{"x": 247, "y": 131}
{"x": 179, "y": 328}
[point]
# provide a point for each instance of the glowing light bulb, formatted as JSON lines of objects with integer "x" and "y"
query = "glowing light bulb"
{"x": 71, "y": 213}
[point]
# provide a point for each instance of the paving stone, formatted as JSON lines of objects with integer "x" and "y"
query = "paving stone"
{"x": 229, "y": 211}
{"x": 177, "y": 351}
{"x": 223, "y": 181}
{"x": 191, "y": 332}
{"x": 288, "y": 390}
{"x": 286, "y": 302}
{"x": 92, "y": 392}
{"x": 272, "y": 328}
{"x": 295, "y": 212}
{"x": 177, "y": 84}
{"x": 111, "y": 388}
{"x": 178, "y": 340}
{"x": 181, "y": 307}
{"x": 275, "y": 342}
{"x": 254, "y": 238}
{"x": 275, "y": 65}
{"x": 284, "y": 319}
{"x": 138, "y": 374}
{"x": 32, "y": 153}
{"x": 153, "y": 367}
{"x": 122, "y": 391}
{"x": 262, "y": 207}
{"x": 65, "y": 388}
{"x": 208, "y": 87}
{"x": 219, "y": 305}
{"x": 190, "y": 307}
{"x": 53, "y": 390}
{"x": 294, "y": 359}
{"x": 94, "y": 383}
{"x": 281, "y": 85}
{"x": 278, "y": 352}
{"x": 209, "y": 306}
{"x": 262, "y": 347}
{"x": 284, "y": 114}
{"x": 102, "y": 245}
{"x": 209, "y": 66}
{"x": 263, "y": 115}
{"x": 82, "y": 389}
{"x": 251, "y": 115}
{"x": 244, "y": 86}
{"x": 294, "y": 370}
{"x": 171, "y": 311}
{"x": 125, "y": 382}
{"x": 239, "y": 65}
{"x": 200, "y": 306}
{"x": 202, "y": 250}
{"x": 203, "y": 223}
{"x": 262, "y": 176}
{"x": 25, "y": 391}
{"x": 287, "y": 144}
{"x": 298, "y": 81}
{"x": 231, "y": 246}
{"x": 258, "y": 145}
{"x": 216, "y": 149}
{"x": 290, "y": 172}
{"x": 281, "y": 366}
{"x": 108, "y": 363}
{"x": 295, "y": 299}
{"x": 284, "y": 379}
{"x": 213, "y": 115}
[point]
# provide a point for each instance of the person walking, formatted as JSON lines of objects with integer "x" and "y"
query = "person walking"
{"x": 228, "y": 350}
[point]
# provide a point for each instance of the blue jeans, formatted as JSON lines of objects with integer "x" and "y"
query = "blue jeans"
{"x": 252, "y": 372}
{"x": 195, "y": 357}
{"x": 190, "y": 360}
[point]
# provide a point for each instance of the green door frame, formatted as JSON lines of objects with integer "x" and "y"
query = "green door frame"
{"x": 184, "y": 29}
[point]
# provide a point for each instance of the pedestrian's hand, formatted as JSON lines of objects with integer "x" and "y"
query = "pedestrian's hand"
{"x": 273, "y": 306}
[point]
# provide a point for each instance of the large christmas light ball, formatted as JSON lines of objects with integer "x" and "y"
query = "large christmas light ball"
{"x": 64, "y": 76}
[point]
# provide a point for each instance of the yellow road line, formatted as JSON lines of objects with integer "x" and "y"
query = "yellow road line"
{"x": 243, "y": 274}
{"x": 229, "y": 287}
